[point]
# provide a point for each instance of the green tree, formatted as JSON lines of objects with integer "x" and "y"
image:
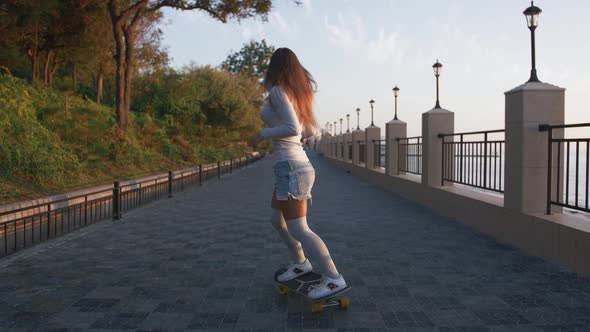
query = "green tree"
{"x": 252, "y": 60}
{"x": 127, "y": 15}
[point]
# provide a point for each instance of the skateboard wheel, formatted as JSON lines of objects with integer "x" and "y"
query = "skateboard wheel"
{"x": 344, "y": 303}
{"x": 317, "y": 307}
{"x": 283, "y": 290}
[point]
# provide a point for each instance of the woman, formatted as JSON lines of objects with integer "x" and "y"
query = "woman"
{"x": 288, "y": 113}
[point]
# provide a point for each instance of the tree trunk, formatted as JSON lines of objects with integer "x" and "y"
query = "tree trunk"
{"x": 129, "y": 67}
{"x": 99, "y": 85}
{"x": 74, "y": 77}
{"x": 120, "y": 70}
{"x": 53, "y": 69}
{"x": 46, "y": 67}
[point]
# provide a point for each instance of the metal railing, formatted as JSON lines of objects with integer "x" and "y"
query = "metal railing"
{"x": 341, "y": 150}
{"x": 379, "y": 152}
{"x": 568, "y": 186}
{"x": 25, "y": 226}
{"x": 362, "y": 151}
{"x": 476, "y": 159}
{"x": 349, "y": 151}
{"x": 409, "y": 155}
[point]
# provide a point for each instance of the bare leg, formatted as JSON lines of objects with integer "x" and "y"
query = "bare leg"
{"x": 295, "y": 214}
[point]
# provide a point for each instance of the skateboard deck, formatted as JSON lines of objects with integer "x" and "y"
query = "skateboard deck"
{"x": 303, "y": 284}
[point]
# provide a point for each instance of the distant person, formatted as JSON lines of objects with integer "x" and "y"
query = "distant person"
{"x": 288, "y": 112}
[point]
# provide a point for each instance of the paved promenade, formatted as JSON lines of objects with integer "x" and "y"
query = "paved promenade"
{"x": 204, "y": 260}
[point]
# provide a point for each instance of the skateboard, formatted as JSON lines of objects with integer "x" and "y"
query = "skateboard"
{"x": 302, "y": 285}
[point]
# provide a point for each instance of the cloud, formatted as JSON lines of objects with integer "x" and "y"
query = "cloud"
{"x": 254, "y": 30}
{"x": 347, "y": 33}
{"x": 383, "y": 48}
{"x": 278, "y": 22}
{"x": 307, "y": 6}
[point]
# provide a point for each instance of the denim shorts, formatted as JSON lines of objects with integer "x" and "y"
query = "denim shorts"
{"x": 293, "y": 179}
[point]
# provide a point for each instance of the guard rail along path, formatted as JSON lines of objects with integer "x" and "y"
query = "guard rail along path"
{"x": 27, "y": 223}
{"x": 526, "y": 185}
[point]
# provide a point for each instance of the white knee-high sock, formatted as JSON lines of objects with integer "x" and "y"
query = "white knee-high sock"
{"x": 313, "y": 245}
{"x": 278, "y": 221}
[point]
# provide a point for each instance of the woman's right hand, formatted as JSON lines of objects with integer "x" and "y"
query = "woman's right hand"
{"x": 256, "y": 138}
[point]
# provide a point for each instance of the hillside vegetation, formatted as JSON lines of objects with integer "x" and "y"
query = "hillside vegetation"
{"x": 179, "y": 119}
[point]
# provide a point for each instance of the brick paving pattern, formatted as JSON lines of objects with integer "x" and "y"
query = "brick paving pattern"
{"x": 204, "y": 260}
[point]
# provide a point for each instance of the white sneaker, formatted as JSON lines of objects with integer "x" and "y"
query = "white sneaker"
{"x": 326, "y": 287}
{"x": 295, "y": 270}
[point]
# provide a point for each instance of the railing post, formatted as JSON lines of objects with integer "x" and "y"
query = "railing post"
{"x": 170, "y": 184}
{"x": 200, "y": 174}
{"x": 219, "y": 170}
{"x": 85, "y": 209}
{"x": 485, "y": 160}
{"x": 461, "y": 158}
{"x": 48, "y": 222}
{"x": 549, "y": 164}
{"x": 442, "y": 177}
{"x": 116, "y": 201}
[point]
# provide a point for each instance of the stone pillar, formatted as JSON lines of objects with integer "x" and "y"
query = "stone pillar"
{"x": 357, "y": 135}
{"x": 372, "y": 133}
{"x": 394, "y": 129}
{"x": 528, "y": 106}
{"x": 434, "y": 122}
{"x": 340, "y": 140}
{"x": 347, "y": 142}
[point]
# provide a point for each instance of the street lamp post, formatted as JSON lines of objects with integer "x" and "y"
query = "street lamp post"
{"x": 358, "y": 112}
{"x": 340, "y": 126}
{"x": 331, "y": 132}
{"x": 348, "y": 123}
{"x": 335, "y": 128}
{"x": 372, "y": 102}
{"x": 437, "y": 68}
{"x": 395, "y": 93}
{"x": 532, "y": 19}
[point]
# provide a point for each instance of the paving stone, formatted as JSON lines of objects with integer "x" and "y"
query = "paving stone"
{"x": 204, "y": 259}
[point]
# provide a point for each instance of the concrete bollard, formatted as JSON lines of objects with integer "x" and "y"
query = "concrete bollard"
{"x": 528, "y": 106}
{"x": 434, "y": 122}
{"x": 394, "y": 129}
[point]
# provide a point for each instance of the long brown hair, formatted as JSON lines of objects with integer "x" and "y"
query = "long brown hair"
{"x": 285, "y": 71}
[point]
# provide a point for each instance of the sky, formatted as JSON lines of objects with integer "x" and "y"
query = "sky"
{"x": 358, "y": 50}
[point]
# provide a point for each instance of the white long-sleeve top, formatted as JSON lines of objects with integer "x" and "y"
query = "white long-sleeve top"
{"x": 284, "y": 127}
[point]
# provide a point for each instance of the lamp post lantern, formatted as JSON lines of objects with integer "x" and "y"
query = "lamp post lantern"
{"x": 358, "y": 112}
{"x": 395, "y": 93}
{"x": 437, "y": 69}
{"x": 340, "y": 126}
{"x": 532, "y": 20}
{"x": 372, "y": 102}
{"x": 348, "y": 123}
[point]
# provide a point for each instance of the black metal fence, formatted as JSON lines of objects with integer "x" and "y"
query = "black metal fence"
{"x": 26, "y": 226}
{"x": 379, "y": 152}
{"x": 362, "y": 151}
{"x": 568, "y": 167}
{"x": 409, "y": 155}
{"x": 474, "y": 159}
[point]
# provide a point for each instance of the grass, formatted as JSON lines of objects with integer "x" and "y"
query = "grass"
{"x": 47, "y": 149}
